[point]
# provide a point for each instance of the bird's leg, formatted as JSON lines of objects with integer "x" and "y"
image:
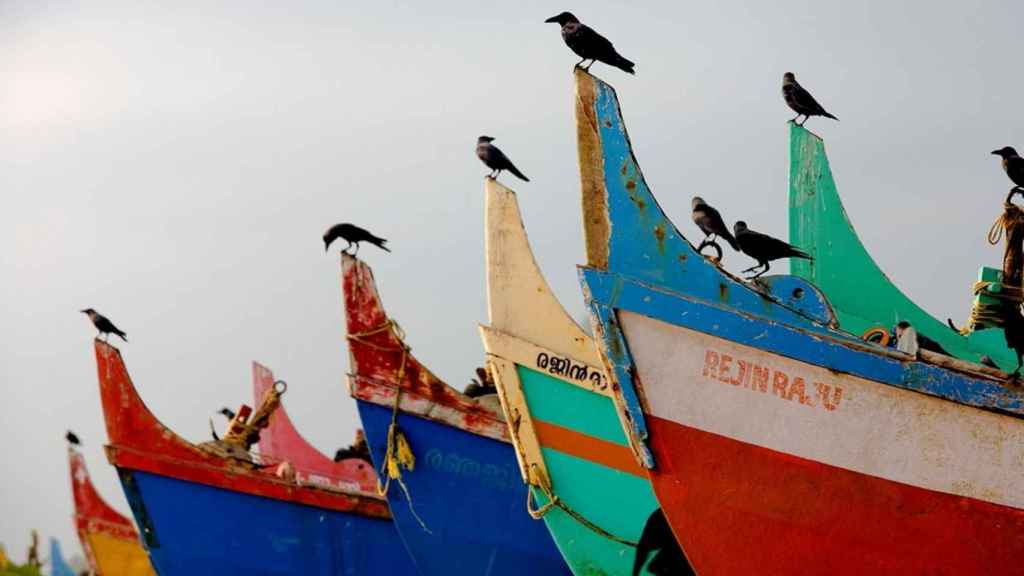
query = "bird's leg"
{"x": 793, "y": 120}
{"x": 751, "y": 269}
{"x": 582, "y": 60}
{"x": 587, "y": 67}
{"x": 356, "y": 253}
{"x": 761, "y": 273}
{"x": 348, "y": 247}
{"x": 806, "y": 118}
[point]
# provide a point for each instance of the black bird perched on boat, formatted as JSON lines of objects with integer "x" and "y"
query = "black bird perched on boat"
{"x": 800, "y": 100}
{"x": 104, "y": 325}
{"x": 764, "y": 248}
{"x": 588, "y": 44}
{"x": 353, "y": 235}
{"x": 72, "y": 438}
{"x": 657, "y": 538}
{"x": 495, "y": 159}
{"x": 227, "y": 413}
{"x": 1013, "y": 164}
{"x": 711, "y": 224}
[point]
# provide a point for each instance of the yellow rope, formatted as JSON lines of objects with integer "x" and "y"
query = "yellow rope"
{"x": 399, "y": 454}
{"x": 1009, "y": 298}
{"x": 544, "y": 485}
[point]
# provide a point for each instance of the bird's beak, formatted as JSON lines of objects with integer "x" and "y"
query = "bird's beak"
{"x": 996, "y": 152}
{"x": 552, "y": 19}
{"x": 82, "y": 311}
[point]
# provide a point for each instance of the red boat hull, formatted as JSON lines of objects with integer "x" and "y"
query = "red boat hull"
{"x": 805, "y": 517}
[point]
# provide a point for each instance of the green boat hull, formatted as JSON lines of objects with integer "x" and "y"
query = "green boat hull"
{"x": 616, "y": 501}
{"x": 860, "y": 293}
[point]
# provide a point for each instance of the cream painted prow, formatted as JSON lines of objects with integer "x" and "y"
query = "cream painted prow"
{"x": 527, "y": 323}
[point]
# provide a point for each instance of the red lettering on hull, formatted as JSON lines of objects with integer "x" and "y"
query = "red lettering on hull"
{"x": 746, "y": 374}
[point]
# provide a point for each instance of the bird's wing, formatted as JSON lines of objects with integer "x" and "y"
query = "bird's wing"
{"x": 804, "y": 99}
{"x": 768, "y": 246}
{"x": 500, "y": 160}
{"x": 594, "y": 42}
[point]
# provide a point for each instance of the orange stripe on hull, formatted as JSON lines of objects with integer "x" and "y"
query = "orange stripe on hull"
{"x": 596, "y": 450}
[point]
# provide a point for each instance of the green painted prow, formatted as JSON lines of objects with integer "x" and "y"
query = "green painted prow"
{"x": 860, "y": 293}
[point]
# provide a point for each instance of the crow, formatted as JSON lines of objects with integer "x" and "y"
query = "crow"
{"x": 1013, "y": 164}
{"x": 711, "y": 224}
{"x": 353, "y": 235}
{"x": 800, "y": 100}
{"x": 763, "y": 248}
{"x": 495, "y": 159}
{"x": 657, "y": 538}
{"x": 104, "y": 325}
{"x": 589, "y": 45}
{"x": 482, "y": 385}
{"x": 72, "y": 438}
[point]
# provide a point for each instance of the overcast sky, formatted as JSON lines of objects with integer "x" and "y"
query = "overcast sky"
{"x": 174, "y": 167}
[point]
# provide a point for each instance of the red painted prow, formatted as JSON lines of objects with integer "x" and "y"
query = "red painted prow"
{"x": 138, "y": 441}
{"x": 281, "y": 441}
{"x": 381, "y": 364}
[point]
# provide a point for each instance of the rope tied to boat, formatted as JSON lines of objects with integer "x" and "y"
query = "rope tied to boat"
{"x": 541, "y": 482}
{"x": 399, "y": 453}
{"x": 996, "y": 304}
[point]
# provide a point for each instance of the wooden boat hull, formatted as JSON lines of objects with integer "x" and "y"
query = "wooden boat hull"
{"x": 109, "y": 539}
{"x": 775, "y": 443}
{"x": 227, "y": 532}
{"x": 862, "y": 295}
{"x": 466, "y": 514}
{"x": 203, "y": 514}
{"x": 566, "y": 430}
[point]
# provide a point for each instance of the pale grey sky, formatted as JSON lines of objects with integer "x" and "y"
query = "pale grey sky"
{"x": 174, "y": 166}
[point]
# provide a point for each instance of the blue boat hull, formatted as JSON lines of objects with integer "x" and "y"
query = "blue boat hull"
{"x": 467, "y": 491}
{"x": 195, "y": 529}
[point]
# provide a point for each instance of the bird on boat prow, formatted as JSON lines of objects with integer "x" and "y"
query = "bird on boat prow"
{"x": 353, "y": 235}
{"x": 104, "y": 325}
{"x": 495, "y": 159}
{"x": 801, "y": 101}
{"x": 712, "y": 225}
{"x": 1013, "y": 164}
{"x": 764, "y": 248}
{"x": 588, "y": 44}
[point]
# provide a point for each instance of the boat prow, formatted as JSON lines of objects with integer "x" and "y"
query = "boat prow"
{"x": 864, "y": 297}
{"x": 241, "y": 517}
{"x": 455, "y": 497}
{"x": 59, "y": 566}
{"x": 282, "y": 441}
{"x": 767, "y": 428}
{"x": 109, "y": 539}
{"x": 564, "y": 422}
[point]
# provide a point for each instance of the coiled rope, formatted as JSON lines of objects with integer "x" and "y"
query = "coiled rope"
{"x": 399, "y": 453}
{"x": 1008, "y": 299}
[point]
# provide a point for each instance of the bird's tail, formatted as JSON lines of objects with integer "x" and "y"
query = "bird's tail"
{"x": 828, "y": 115}
{"x": 623, "y": 64}
{"x": 515, "y": 171}
{"x": 731, "y": 240}
{"x": 798, "y": 253}
{"x": 380, "y": 243}
{"x": 121, "y": 335}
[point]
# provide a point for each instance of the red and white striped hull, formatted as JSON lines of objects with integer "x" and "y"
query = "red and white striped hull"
{"x": 767, "y": 465}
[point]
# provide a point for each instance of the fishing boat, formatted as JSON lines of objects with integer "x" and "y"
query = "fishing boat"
{"x": 592, "y": 494}
{"x": 862, "y": 296}
{"x": 59, "y": 566}
{"x": 281, "y": 442}
{"x": 203, "y": 512}
{"x": 109, "y": 539}
{"x": 775, "y": 443}
{"x": 448, "y": 466}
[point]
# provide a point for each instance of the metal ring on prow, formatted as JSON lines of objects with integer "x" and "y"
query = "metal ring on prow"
{"x": 877, "y": 335}
{"x": 283, "y": 386}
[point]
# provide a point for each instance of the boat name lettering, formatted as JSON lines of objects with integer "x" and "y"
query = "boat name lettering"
{"x": 499, "y": 477}
{"x": 767, "y": 380}
{"x": 565, "y": 367}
